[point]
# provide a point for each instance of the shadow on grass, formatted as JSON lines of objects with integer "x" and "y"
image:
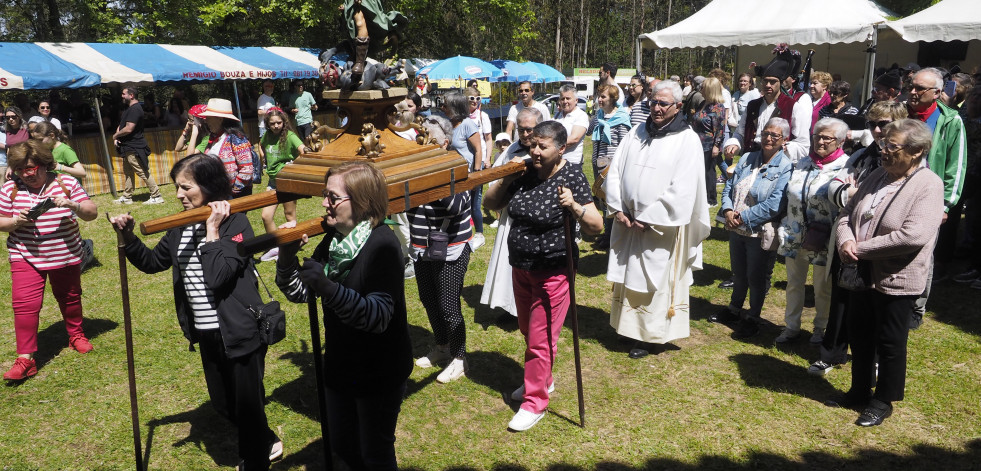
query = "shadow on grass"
{"x": 955, "y": 305}
{"x": 766, "y": 372}
{"x": 54, "y": 338}
{"x": 710, "y": 275}
{"x": 496, "y": 371}
{"x": 310, "y": 457}
{"x": 209, "y": 431}
{"x": 483, "y": 315}
{"x": 920, "y": 457}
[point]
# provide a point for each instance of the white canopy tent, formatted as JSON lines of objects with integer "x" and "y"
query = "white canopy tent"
{"x": 763, "y": 22}
{"x": 949, "y": 20}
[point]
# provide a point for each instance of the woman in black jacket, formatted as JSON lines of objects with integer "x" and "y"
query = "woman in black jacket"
{"x": 213, "y": 288}
{"x": 356, "y": 270}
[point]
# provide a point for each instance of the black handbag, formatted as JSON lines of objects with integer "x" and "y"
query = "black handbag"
{"x": 269, "y": 316}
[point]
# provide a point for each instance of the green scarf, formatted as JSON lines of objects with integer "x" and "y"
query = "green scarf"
{"x": 343, "y": 251}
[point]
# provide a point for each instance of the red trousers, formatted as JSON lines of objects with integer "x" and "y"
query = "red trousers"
{"x": 27, "y": 290}
{"x": 542, "y": 300}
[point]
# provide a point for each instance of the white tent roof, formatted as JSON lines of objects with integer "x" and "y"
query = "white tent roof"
{"x": 754, "y": 22}
{"x": 946, "y": 21}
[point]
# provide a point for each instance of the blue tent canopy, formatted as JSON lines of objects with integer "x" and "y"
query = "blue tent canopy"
{"x": 25, "y": 66}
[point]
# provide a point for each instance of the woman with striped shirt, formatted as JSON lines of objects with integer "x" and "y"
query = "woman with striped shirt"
{"x": 42, "y": 246}
{"x": 213, "y": 288}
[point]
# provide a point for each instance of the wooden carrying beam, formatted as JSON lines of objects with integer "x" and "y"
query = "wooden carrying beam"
{"x": 317, "y": 226}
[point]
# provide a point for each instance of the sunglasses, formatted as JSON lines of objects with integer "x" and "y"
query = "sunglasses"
{"x": 12, "y": 116}
{"x": 918, "y": 88}
{"x": 662, "y": 104}
{"x": 474, "y": 99}
{"x": 877, "y": 124}
{"x": 333, "y": 199}
{"x": 771, "y": 135}
{"x": 819, "y": 138}
{"x": 524, "y": 90}
{"x": 44, "y": 108}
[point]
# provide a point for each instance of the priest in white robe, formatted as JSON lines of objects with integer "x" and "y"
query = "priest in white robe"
{"x": 656, "y": 193}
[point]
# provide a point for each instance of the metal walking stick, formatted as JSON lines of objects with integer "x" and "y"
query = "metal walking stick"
{"x": 318, "y": 364}
{"x": 572, "y": 312}
{"x": 130, "y": 364}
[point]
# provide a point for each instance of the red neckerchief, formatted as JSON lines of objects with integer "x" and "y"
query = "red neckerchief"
{"x": 923, "y": 115}
{"x": 827, "y": 160}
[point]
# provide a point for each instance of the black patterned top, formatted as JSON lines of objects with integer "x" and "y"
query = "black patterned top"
{"x": 537, "y": 237}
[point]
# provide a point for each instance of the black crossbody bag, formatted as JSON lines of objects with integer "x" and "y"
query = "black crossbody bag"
{"x": 269, "y": 316}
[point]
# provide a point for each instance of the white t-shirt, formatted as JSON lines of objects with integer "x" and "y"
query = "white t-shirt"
{"x": 484, "y": 127}
{"x": 578, "y": 118}
{"x": 40, "y": 119}
{"x": 264, "y": 103}
{"x": 513, "y": 115}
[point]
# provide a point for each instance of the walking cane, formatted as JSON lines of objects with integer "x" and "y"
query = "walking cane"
{"x": 130, "y": 364}
{"x": 318, "y": 364}
{"x": 567, "y": 217}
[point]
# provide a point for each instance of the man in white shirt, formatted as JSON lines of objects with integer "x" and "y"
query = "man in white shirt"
{"x": 774, "y": 103}
{"x": 526, "y": 99}
{"x": 575, "y": 121}
{"x": 608, "y": 75}
{"x": 265, "y": 102}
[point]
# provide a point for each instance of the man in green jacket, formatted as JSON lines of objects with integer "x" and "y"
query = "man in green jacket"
{"x": 948, "y": 159}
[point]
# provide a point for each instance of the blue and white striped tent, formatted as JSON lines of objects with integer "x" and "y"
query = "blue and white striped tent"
{"x": 78, "y": 65}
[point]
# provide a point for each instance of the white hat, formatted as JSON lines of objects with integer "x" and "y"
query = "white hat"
{"x": 502, "y": 137}
{"x": 221, "y": 108}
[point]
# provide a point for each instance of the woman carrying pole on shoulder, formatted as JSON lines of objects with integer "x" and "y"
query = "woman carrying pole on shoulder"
{"x": 214, "y": 287}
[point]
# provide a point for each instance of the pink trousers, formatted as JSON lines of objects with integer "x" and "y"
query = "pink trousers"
{"x": 542, "y": 300}
{"x": 27, "y": 290}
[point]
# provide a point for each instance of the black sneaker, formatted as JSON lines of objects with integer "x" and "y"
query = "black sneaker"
{"x": 724, "y": 316}
{"x": 745, "y": 329}
{"x": 727, "y": 284}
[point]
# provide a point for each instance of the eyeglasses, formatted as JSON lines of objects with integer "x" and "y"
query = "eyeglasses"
{"x": 820, "y": 138}
{"x": 522, "y": 130}
{"x": 28, "y": 171}
{"x": 890, "y": 147}
{"x": 877, "y": 124}
{"x": 524, "y": 90}
{"x": 771, "y": 135}
{"x": 919, "y": 88}
{"x": 662, "y": 104}
{"x": 636, "y": 85}
{"x": 12, "y": 116}
{"x": 333, "y": 199}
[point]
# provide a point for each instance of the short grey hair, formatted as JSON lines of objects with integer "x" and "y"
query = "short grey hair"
{"x": 780, "y": 124}
{"x": 938, "y": 76}
{"x": 918, "y": 135}
{"x": 530, "y": 111}
{"x": 567, "y": 88}
{"x": 671, "y": 85}
{"x": 837, "y": 126}
{"x": 456, "y": 106}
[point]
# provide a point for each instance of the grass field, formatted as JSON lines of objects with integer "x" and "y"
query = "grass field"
{"x": 708, "y": 402}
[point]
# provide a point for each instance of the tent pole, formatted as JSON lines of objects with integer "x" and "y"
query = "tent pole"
{"x": 638, "y": 58}
{"x": 870, "y": 70}
{"x": 237, "y": 104}
{"x": 105, "y": 147}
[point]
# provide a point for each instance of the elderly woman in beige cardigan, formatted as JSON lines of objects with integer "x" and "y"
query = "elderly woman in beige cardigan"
{"x": 888, "y": 228}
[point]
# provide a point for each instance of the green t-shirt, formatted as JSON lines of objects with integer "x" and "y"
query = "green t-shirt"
{"x": 64, "y": 155}
{"x": 302, "y": 103}
{"x": 276, "y": 158}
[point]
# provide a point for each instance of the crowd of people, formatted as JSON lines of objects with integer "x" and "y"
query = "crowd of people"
{"x": 867, "y": 200}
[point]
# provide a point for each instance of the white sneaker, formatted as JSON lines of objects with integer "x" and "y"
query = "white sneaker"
{"x": 495, "y": 224}
{"x": 155, "y": 200}
{"x": 524, "y": 420}
{"x": 272, "y": 254}
{"x": 787, "y": 336}
{"x": 519, "y": 394}
{"x": 817, "y": 337}
{"x": 477, "y": 241}
{"x": 276, "y": 451}
{"x": 410, "y": 270}
{"x": 456, "y": 369}
{"x": 437, "y": 354}
{"x": 123, "y": 200}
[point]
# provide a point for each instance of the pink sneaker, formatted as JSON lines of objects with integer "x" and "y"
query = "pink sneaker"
{"x": 80, "y": 344}
{"x": 23, "y": 368}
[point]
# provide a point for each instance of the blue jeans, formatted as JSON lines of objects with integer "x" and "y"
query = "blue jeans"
{"x": 751, "y": 270}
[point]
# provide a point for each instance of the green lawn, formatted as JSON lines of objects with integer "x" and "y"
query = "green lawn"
{"x": 707, "y": 403}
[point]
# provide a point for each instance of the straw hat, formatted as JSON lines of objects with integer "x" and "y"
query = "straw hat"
{"x": 221, "y": 108}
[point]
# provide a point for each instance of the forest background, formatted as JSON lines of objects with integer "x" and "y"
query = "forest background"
{"x": 561, "y": 33}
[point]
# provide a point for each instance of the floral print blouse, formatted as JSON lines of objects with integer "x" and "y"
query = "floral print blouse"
{"x": 708, "y": 122}
{"x": 820, "y": 209}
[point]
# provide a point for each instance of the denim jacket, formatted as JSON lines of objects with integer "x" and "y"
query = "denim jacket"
{"x": 767, "y": 189}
